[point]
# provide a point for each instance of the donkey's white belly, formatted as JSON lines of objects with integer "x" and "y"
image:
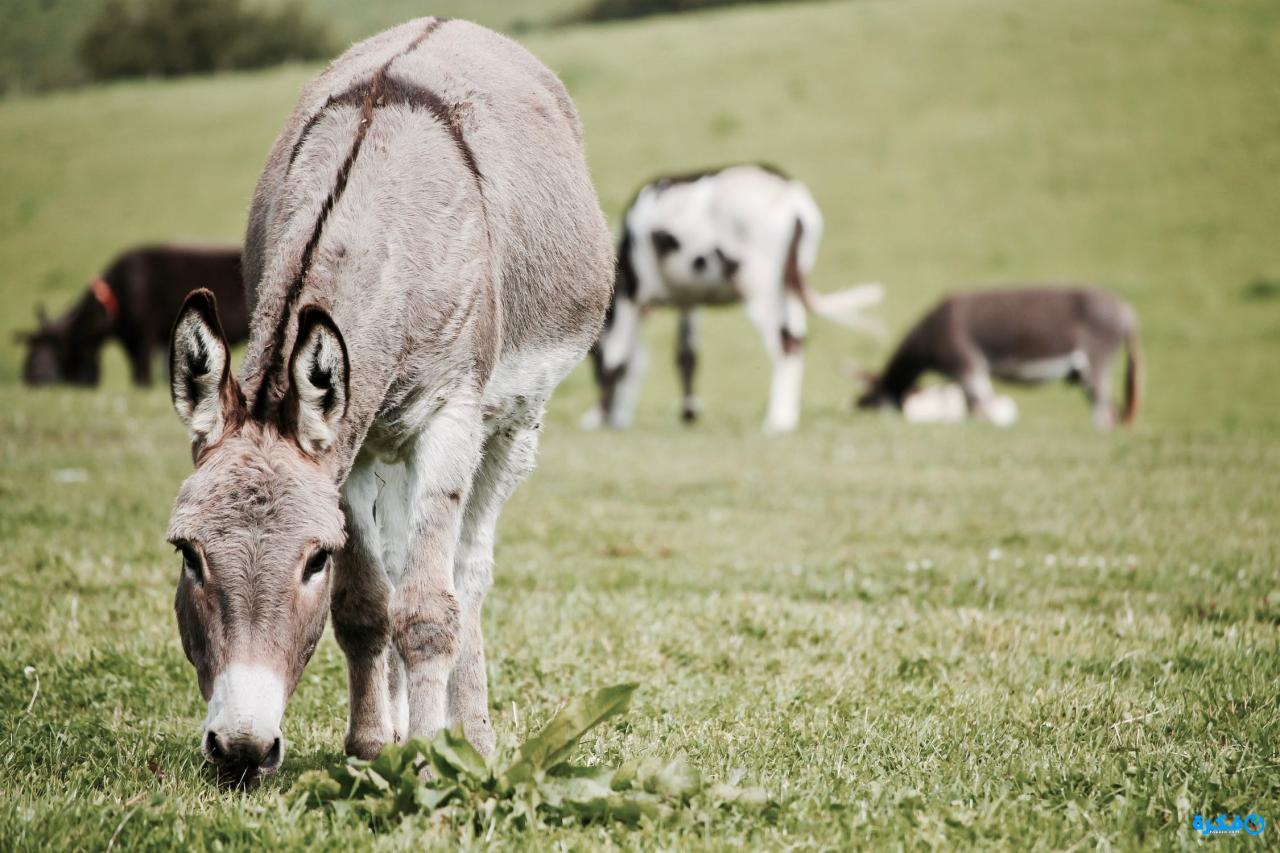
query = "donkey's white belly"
{"x": 1042, "y": 369}
{"x": 385, "y": 488}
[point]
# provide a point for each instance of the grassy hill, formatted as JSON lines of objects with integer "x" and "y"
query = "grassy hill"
{"x": 949, "y": 636}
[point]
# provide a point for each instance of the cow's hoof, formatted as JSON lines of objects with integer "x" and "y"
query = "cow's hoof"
{"x": 780, "y": 428}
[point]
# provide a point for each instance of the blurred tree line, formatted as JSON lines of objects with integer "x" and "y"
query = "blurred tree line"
{"x": 173, "y": 37}
{"x": 50, "y": 44}
{"x": 608, "y": 10}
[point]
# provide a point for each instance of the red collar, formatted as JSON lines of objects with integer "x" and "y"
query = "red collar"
{"x": 106, "y": 298}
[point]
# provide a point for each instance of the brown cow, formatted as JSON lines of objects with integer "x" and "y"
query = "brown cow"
{"x": 135, "y": 302}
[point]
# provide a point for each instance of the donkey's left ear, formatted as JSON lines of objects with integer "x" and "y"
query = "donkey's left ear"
{"x": 205, "y": 395}
{"x": 319, "y": 386}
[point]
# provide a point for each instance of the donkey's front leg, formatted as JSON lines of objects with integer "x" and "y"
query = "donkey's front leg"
{"x": 509, "y": 457}
{"x": 425, "y": 622}
{"x": 361, "y": 621}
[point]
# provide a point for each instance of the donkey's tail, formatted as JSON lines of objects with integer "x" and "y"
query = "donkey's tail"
{"x": 1132, "y": 379}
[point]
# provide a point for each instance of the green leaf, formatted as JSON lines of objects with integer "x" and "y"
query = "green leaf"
{"x": 629, "y": 808}
{"x": 579, "y": 716}
{"x": 580, "y": 790}
{"x": 677, "y": 779}
{"x": 625, "y": 776}
{"x": 454, "y": 757}
{"x": 430, "y": 799}
{"x": 389, "y": 762}
{"x": 540, "y": 788}
{"x": 746, "y": 798}
{"x": 315, "y": 787}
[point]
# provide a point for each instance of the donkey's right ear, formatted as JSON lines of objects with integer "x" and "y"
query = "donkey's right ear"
{"x": 205, "y": 395}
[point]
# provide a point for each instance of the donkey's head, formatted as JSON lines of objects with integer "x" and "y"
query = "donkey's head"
{"x": 255, "y": 523}
{"x": 875, "y": 395}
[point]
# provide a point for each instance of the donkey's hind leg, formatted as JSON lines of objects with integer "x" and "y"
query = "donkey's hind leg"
{"x": 1096, "y": 381}
{"x": 509, "y": 456}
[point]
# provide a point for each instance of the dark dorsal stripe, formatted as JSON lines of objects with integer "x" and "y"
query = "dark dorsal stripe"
{"x": 379, "y": 91}
{"x": 355, "y": 95}
{"x": 403, "y": 93}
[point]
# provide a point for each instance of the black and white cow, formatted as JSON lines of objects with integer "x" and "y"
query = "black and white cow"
{"x": 743, "y": 233}
{"x": 1031, "y": 335}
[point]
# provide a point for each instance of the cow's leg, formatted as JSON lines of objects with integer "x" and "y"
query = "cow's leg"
{"x": 620, "y": 363}
{"x": 361, "y": 621}
{"x": 687, "y": 361}
{"x": 626, "y": 389}
{"x": 509, "y": 456}
{"x": 141, "y": 353}
{"x": 780, "y": 321}
{"x": 425, "y": 624}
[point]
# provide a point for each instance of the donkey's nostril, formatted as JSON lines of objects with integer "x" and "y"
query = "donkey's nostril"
{"x": 214, "y": 749}
{"x": 271, "y": 760}
{"x": 699, "y": 263}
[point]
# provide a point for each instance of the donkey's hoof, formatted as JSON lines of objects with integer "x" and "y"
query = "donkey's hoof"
{"x": 480, "y": 733}
{"x": 365, "y": 745}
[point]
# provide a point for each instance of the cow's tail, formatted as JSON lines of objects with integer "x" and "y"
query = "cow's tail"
{"x": 1132, "y": 379}
{"x": 846, "y": 307}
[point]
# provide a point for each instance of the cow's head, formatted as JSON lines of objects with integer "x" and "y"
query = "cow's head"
{"x": 255, "y": 525}
{"x": 54, "y": 354}
{"x": 43, "y": 362}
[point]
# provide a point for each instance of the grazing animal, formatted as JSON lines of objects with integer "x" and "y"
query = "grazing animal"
{"x": 744, "y": 233}
{"x": 135, "y": 302}
{"x": 1034, "y": 335}
{"x": 426, "y": 259}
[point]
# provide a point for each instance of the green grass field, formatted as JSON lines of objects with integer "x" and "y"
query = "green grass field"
{"x": 1042, "y": 637}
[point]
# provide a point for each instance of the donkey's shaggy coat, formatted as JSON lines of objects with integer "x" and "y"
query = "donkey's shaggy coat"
{"x": 1030, "y": 335}
{"x": 425, "y": 260}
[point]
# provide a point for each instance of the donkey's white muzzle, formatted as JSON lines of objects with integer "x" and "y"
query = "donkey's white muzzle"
{"x": 242, "y": 732}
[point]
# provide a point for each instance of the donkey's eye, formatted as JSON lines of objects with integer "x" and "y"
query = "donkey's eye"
{"x": 191, "y": 562}
{"x": 319, "y": 560}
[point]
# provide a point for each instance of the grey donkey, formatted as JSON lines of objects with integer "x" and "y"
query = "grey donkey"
{"x": 425, "y": 260}
{"x": 1030, "y": 335}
